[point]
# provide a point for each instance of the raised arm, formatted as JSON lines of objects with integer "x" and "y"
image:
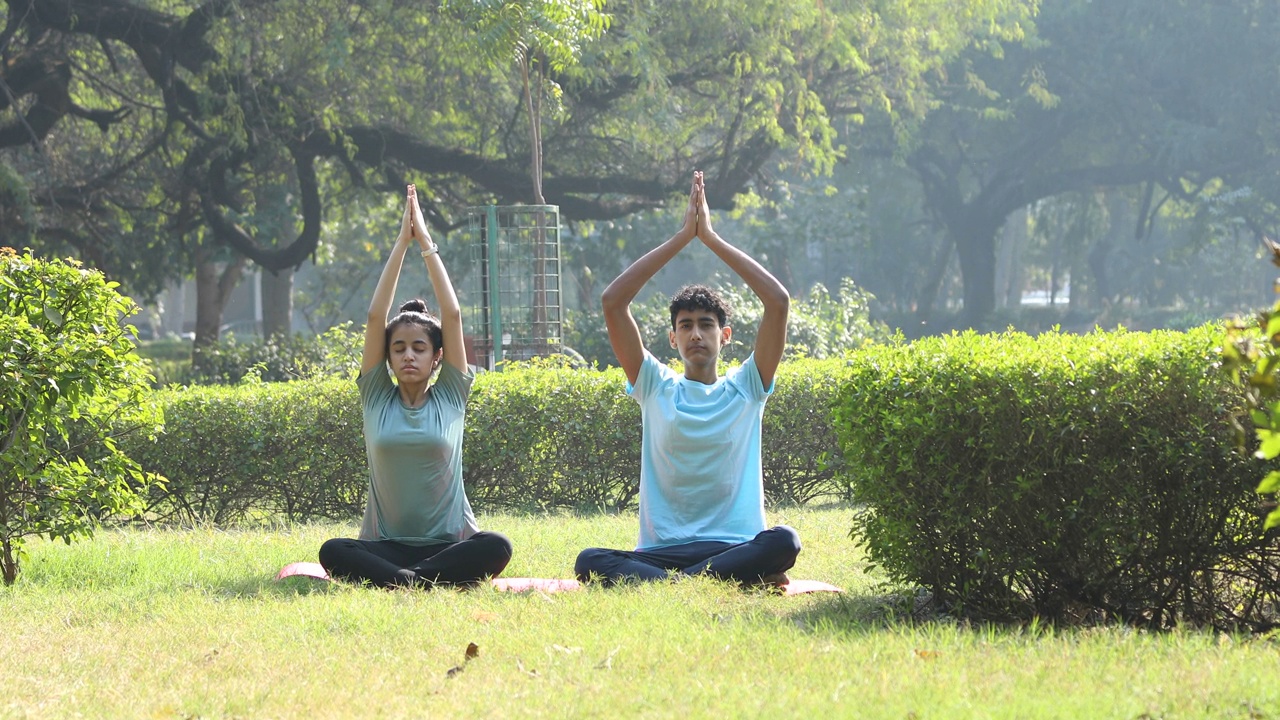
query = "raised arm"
{"x": 375, "y": 329}
{"x": 455, "y": 352}
{"x": 624, "y": 333}
{"x": 771, "y": 337}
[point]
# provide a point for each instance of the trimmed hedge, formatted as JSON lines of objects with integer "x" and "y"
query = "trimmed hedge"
{"x": 1064, "y": 477}
{"x": 253, "y": 451}
{"x": 542, "y": 436}
{"x": 537, "y": 436}
{"x": 801, "y": 456}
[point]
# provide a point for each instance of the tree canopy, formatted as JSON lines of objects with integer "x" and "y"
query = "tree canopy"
{"x": 1176, "y": 97}
{"x": 201, "y": 107}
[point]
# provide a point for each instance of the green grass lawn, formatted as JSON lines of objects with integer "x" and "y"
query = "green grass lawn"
{"x": 191, "y": 624}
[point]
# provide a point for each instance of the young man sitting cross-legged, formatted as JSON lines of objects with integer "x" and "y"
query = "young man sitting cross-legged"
{"x": 701, "y": 484}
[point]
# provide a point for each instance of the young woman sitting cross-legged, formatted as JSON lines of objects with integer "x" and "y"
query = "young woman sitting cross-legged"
{"x": 418, "y": 529}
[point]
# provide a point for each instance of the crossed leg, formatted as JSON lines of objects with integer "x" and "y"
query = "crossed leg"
{"x": 386, "y": 563}
{"x": 771, "y": 551}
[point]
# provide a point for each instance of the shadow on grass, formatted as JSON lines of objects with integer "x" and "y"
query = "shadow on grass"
{"x": 842, "y": 613}
{"x": 288, "y": 587}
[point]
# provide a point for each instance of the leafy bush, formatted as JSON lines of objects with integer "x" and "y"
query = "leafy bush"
{"x": 1060, "y": 476}
{"x": 818, "y": 326}
{"x": 70, "y": 384}
{"x": 1251, "y": 358}
{"x": 538, "y": 435}
{"x": 801, "y": 455}
{"x": 545, "y": 436}
{"x": 170, "y": 360}
{"x": 258, "y": 451}
{"x": 278, "y": 358}
{"x": 585, "y": 334}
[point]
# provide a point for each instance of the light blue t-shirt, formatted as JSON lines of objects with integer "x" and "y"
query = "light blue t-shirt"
{"x": 700, "y": 472}
{"x": 415, "y": 461}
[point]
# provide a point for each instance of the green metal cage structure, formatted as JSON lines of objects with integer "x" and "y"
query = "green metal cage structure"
{"x": 512, "y": 295}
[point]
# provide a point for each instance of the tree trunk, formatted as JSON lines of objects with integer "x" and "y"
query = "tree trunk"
{"x": 277, "y": 303}
{"x": 1004, "y": 263}
{"x": 208, "y": 308}
{"x": 1009, "y": 270}
{"x": 539, "y": 318}
{"x": 976, "y": 245}
{"x": 212, "y": 290}
{"x": 9, "y": 563}
{"x": 937, "y": 270}
{"x": 971, "y": 226}
{"x": 173, "y": 313}
{"x": 1018, "y": 269}
{"x": 1055, "y": 273}
{"x": 1099, "y": 257}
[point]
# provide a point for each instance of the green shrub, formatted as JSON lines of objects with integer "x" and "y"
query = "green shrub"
{"x": 1251, "y": 358}
{"x": 818, "y": 326}
{"x": 538, "y": 435}
{"x": 258, "y": 451}
{"x": 545, "y": 436}
{"x": 277, "y": 358}
{"x": 70, "y": 384}
{"x": 170, "y": 360}
{"x": 801, "y": 455}
{"x": 1059, "y": 476}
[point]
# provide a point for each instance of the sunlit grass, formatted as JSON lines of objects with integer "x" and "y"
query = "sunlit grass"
{"x": 190, "y": 623}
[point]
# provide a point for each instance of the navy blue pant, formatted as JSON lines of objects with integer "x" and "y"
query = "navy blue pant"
{"x": 386, "y": 563}
{"x": 772, "y": 551}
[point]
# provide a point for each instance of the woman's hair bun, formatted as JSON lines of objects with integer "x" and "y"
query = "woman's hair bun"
{"x": 414, "y": 305}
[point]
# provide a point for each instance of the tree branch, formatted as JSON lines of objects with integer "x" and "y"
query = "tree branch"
{"x": 281, "y": 258}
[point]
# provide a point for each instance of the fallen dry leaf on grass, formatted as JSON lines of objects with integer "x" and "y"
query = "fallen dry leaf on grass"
{"x": 473, "y": 651}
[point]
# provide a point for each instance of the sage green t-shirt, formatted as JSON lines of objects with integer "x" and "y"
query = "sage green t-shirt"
{"x": 415, "y": 461}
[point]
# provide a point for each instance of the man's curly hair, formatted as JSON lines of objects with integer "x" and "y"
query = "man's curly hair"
{"x": 699, "y": 297}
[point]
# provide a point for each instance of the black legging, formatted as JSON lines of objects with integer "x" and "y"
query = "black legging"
{"x": 772, "y": 551}
{"x": 386, "y": 563}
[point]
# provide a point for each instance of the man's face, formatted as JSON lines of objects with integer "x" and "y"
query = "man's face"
{"x": 698, "y": 336}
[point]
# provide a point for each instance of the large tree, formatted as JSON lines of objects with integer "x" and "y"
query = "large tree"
{"x": 1178, "y": 98}
{"x": 233, "y": 104}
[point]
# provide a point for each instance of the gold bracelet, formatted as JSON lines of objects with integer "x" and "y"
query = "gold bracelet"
{"x": 431, "y": 251}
